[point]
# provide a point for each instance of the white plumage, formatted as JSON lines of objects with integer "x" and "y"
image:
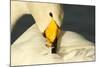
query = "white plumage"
{"x": 30, "y": 47}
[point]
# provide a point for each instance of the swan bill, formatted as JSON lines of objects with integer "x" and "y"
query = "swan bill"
{"x": 51, "y": 34}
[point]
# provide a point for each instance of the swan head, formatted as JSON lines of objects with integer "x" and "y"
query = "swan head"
{"x": 48, "y": 17}
{"x": 42, "y": 14}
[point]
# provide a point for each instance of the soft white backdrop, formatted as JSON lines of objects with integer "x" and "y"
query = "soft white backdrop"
{"x": 84, "y": 2}
{"x": 5, "y": 33}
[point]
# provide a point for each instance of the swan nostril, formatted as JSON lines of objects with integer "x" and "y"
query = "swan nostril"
{"x": 51, "y": 14}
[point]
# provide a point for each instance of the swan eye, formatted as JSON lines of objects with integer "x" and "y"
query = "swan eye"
{"x": 51, "y": 14}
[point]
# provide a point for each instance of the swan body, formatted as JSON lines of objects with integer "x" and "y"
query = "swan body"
{"x": 30, "y": 47}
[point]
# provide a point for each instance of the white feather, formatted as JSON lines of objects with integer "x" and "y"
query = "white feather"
{"x": 30, "y": 47}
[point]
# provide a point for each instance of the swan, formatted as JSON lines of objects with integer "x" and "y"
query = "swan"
{"x": 33, "y": 48}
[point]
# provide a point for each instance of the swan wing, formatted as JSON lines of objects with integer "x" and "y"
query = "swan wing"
{"x": 74, "y": 48}
{"x": 30, "y": 48}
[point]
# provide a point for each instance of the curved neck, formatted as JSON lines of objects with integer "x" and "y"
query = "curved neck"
{"x": 40, "y": 12}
